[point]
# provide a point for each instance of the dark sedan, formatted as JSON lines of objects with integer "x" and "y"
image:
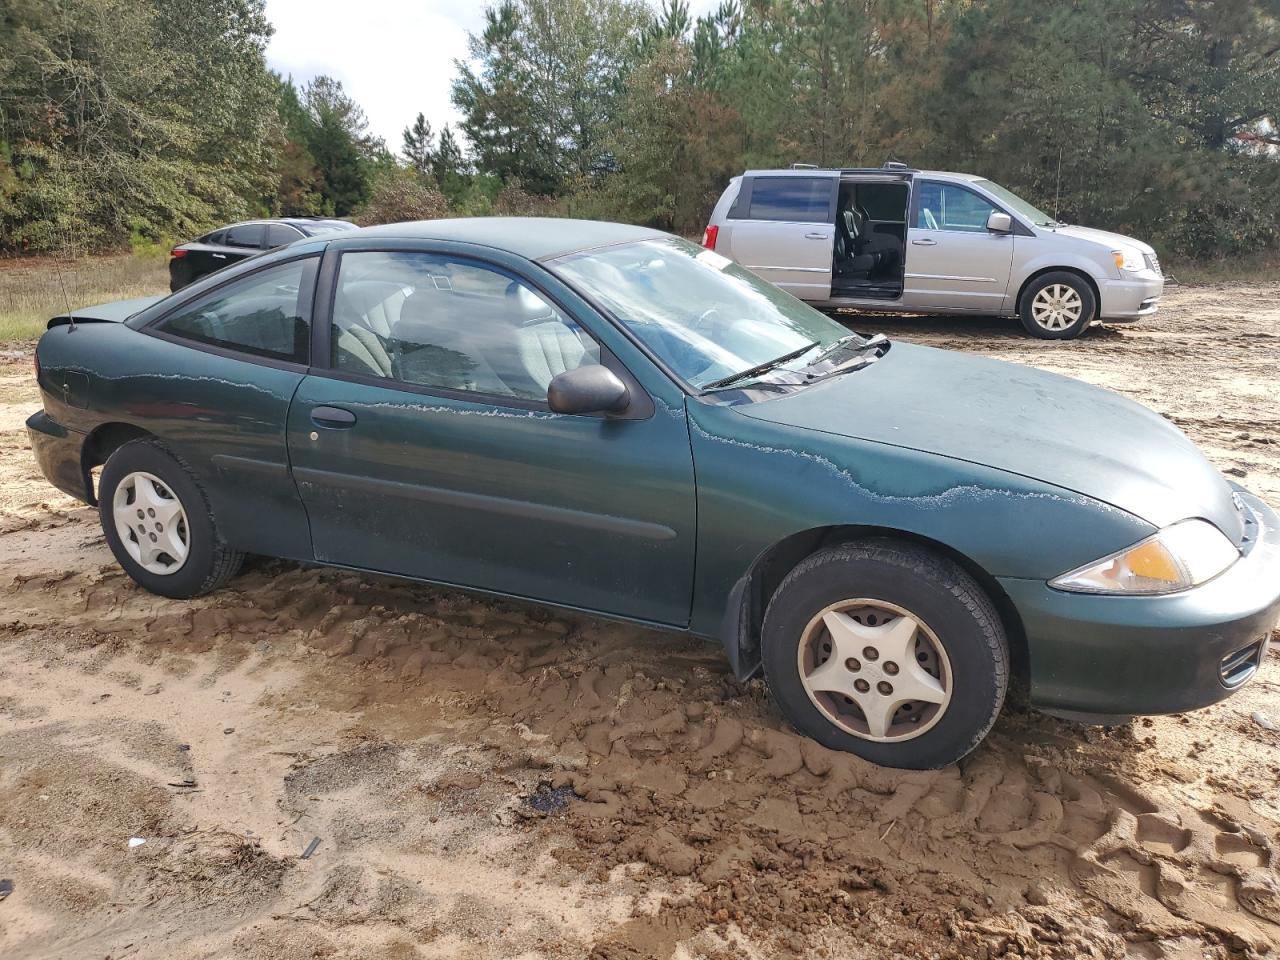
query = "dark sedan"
{"x": 239, "y": 241}
{"x": 613, "y": 419}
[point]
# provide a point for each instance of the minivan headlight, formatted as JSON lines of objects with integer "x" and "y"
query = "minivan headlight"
{"x": 1129, "y": 258}
{"x": 1182, "y": 555}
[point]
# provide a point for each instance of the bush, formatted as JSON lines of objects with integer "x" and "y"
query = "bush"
{"x": 400, "y": 196}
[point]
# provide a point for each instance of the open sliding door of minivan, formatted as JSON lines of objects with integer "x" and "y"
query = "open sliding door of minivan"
{"x": 781, "y": 227}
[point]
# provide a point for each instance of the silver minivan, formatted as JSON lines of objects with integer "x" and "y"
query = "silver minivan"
{"x": 924, "y": 241}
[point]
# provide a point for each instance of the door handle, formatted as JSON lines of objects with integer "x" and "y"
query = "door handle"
{"x": 925, "y": 243}
{"x": 332, "y": 417}
{"x": 219, "y": 256}
{"x": 817, "y": 236}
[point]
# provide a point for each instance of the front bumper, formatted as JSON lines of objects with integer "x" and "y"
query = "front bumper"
{"x": 1144, "y": 655}
{"x": 1136, "y": 296}
{"x": 58, "y": 451}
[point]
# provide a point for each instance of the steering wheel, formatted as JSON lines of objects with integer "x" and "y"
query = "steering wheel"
{"x": 930, "y": 220}
{"x": 705, "y": 318}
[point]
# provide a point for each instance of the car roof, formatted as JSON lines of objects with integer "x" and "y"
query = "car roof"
{"x": 870, "y": 171}
{"x": 534, "y": 238}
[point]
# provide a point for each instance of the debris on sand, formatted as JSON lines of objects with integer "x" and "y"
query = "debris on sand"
{"x": 548, "y": 799}
{"x": 1265, "y": 722}
{"x": 311, "y": 848}
{"x": 6, "y": 888}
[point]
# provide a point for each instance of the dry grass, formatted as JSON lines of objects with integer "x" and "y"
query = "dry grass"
{"x": 1262, "y": 267}
{"x": 31, "y": 291}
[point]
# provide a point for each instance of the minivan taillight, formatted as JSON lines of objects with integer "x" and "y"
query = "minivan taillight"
{"x": 709, "y": 237}
{"x": 177, "y": 252}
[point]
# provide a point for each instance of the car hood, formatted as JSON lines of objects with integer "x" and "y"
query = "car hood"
{"x": 1104, "y": 237}
{"x": 1020, "y": 420}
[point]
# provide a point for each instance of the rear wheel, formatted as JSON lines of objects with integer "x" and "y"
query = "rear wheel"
{"x": 157, "y": 521}
{"x": 1058, "y": 306}
{"x": 886, "y": 650}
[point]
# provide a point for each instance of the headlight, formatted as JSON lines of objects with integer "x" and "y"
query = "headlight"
{"x": 1129, "y": 258}
{"x": 1181, "y": 556}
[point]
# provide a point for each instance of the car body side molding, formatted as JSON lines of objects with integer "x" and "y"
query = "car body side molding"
{"x": 603, "y": 523}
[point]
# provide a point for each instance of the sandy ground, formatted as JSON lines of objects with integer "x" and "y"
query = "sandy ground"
{"x": 490, "y": 779}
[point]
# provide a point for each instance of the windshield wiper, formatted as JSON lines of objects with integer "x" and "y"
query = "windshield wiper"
{"x": 759, "y": 369}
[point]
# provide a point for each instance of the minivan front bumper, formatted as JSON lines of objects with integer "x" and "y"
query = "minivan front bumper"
{"x": 1136, "y": 296}
{"x": 1118, "y": 655}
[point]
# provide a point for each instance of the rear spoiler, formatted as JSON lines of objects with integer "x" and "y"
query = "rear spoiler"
{"x": 116, "y": 312}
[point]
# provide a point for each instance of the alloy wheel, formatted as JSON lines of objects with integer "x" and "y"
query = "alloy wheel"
{"x": 1056, "y": 307}
{"x": 151, "y": 523}
{"x": 875, "y": 670}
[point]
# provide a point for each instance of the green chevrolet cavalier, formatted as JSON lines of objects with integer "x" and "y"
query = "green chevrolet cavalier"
{"x": 612, "y": 419}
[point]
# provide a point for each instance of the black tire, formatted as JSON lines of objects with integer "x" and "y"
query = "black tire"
{"x": 1081, "y": 288}
{"x": 209, "y": 563}
{"x": 938, "y": 593}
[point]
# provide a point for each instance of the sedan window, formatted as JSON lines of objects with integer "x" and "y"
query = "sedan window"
{"x": 453, "y": 324}
{"x": 281, "y": 234}
{"x": 263, "y": 314}
{"x": 245, "y": 235}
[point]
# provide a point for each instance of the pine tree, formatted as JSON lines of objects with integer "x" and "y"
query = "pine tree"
{"x": 418, "y": 146}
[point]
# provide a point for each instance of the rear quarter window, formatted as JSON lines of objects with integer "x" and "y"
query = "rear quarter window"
{"x": 796, "y": 199}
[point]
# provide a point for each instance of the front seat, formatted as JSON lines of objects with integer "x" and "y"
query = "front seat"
{"x": 545, "y": 344}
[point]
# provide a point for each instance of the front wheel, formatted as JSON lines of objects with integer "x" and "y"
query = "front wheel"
{"x": 886, "y": 650}
{"x": 157, "y": 521}
{"x": 1058, "y": 306}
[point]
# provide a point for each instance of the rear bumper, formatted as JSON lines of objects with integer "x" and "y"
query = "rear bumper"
{"x": 1150, "y": 655}
{"x": 58, "y": 453}
{"x": 1131, "y": 298}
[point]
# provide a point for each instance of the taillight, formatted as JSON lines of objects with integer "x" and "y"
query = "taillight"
{"x": 709, "y": 237}
{"x": 177, "y": 253}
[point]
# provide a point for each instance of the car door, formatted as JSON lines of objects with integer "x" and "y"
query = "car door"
{"x": 782, "y": 228}
{"x": 952, "y": 260}
{"x": 427, "y": 448}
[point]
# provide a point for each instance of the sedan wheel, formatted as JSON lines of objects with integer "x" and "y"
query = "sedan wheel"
{"x": 151, "y": 524}
{"x": 875, "y": 670}
{"x": 888, "y": 650}
{"x": 157, "y": 521}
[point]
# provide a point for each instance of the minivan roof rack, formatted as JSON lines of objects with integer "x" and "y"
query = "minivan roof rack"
{"x": 891, "y": 169}
{"x": 804, "y": 166}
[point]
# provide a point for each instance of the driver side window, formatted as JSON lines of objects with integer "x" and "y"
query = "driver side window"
{"x": 436, "y": 321}
{"x": 946, "y": 206}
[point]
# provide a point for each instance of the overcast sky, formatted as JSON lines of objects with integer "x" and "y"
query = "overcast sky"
{"x": 394, "y": 57}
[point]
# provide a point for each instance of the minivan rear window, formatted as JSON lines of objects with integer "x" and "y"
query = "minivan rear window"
{"x": 803, "y": 199}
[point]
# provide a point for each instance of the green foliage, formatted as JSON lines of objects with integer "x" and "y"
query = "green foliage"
{"x": 539, "y": 92}
{"x": 109, "y": 125}
{"x": 128, "y": 122}
{"x": 399, "y": 195}
{"x": 419, "y": 148}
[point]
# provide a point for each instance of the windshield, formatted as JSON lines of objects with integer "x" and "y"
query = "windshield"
{"x": 1016, "y": 203}
{"x": 703, "y": 315}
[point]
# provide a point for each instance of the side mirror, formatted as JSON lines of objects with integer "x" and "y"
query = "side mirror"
{"x": 589, "y": 389}
{"x": 999, "y": 222}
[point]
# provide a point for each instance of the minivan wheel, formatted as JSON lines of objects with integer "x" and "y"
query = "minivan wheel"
{"x": 157, "y": 522}
{"x": 1058, "y": 306}
{"x": 886, "y": 650}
